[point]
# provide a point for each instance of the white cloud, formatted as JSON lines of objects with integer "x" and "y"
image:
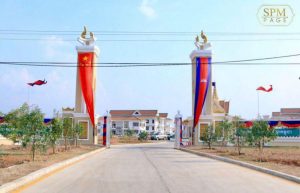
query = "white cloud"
{"x": 147, "y": 9}
{"x": 13, "y": 78}
{"x": 13, "y": 88}
{"x": 56, "y": 48}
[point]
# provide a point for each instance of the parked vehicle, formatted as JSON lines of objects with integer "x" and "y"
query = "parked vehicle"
{"x": 158, "y": 136}
{"x": 169, "y": 136}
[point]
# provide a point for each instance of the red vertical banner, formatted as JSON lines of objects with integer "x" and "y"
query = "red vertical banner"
{"x": 203, "y": 67}
{"x": 86, "y": 75}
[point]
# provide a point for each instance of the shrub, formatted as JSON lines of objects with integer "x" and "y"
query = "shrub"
{"x": 209, "y": 136}
{"x": 129, "y": 132}
{"x": 143, "y": 135}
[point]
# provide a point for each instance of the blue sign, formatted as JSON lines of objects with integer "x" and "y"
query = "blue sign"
{"x": 287, "y": 132}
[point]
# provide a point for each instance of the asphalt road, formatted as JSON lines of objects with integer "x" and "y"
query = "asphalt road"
{"x": 157, "y": 168}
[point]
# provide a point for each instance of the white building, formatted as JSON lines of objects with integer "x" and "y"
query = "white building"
{"x": 139, "y": 120}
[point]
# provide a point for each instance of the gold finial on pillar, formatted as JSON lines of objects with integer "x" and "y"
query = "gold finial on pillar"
{"x": 203, "y": 36}
{"x": 83, "y": 34}
{"x": 84, "y": 40}
{"x": 204, "y": 44}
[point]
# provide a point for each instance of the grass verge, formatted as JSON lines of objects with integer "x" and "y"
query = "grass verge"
{"x": 282, "y": 159}
{"x": 15, "y": 162}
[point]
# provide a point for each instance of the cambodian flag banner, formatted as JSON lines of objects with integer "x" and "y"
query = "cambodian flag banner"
{"x": 288, "y": 124}
{"x": 273, "y": 123}
{"x": 47, "y": 121}
{"x": 203, "y": 68}
{"x": 291, "y": 124}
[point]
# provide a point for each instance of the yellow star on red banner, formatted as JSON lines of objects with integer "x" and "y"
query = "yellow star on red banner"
{"x": 85, "y": 61}
{"x": 85, "y": 58}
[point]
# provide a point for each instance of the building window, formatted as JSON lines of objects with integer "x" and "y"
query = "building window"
{"x": 84, "y": 133}
{"x": 153, "y": 121}
{"x": 152, "y": 128}
{"x": 113, "y": 124}
{"x": 119, "y": 124}
{"x": 147, "y": 120}
{"x": 202, "y": 128}
{"x": 135, "y": 124}
{"x": 147, "y": 128}
{"x": 126, "y": 124}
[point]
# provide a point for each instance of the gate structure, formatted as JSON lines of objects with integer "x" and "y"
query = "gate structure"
{"x": 207, "y": 109}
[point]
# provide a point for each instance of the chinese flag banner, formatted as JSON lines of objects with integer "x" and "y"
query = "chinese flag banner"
{"x": 203, "y": 67}
{"x": 86, "y": 74}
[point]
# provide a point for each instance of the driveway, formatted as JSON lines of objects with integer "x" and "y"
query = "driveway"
{"x": 157, "y": 168}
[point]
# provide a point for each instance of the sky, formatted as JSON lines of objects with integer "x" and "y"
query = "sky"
{"x": 166, "y": 89}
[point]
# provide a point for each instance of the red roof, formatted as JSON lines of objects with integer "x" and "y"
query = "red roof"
{"x": 225, "y": 105}
{"x": 163, "y": 115}
{"x": 129, "y": 113}
{"x": 275, "y": 114}
{"x": 290, "y": 110}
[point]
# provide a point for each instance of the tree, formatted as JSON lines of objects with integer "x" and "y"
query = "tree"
{"x": 76, "y": 131}
{"x": 209, "y": 136}
{"x": 54, "y": 132}
{"x": 223, "y": 130}
{"x": 34, "y": 126}
{"x": 143, "y": 135}
{"x": 7, "y": 132}
{"x": 27, "y": 126}
{"x": 67, "y": 130}
{"x": 14, "y": 125}
{"x": 239, "y": 133}
{"x": 261, "y": 133}
{"x": 43, "y": 142}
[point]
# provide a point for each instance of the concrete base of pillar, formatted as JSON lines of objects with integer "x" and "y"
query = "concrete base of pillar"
{"x": 95, "y": 140}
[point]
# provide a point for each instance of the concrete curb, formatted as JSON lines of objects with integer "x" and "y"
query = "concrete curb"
{"x": 10, "y": 186}
{"x": 247, "y": 165}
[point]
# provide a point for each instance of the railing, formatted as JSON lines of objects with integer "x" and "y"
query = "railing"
{"x": 287, "y": 139}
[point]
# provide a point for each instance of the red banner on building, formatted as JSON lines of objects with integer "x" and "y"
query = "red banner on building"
{"x": 86, "y": 75}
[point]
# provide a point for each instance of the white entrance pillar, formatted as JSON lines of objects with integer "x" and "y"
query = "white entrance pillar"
{"x": 201, "y": 52}
{"x": 80, "y": 112}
